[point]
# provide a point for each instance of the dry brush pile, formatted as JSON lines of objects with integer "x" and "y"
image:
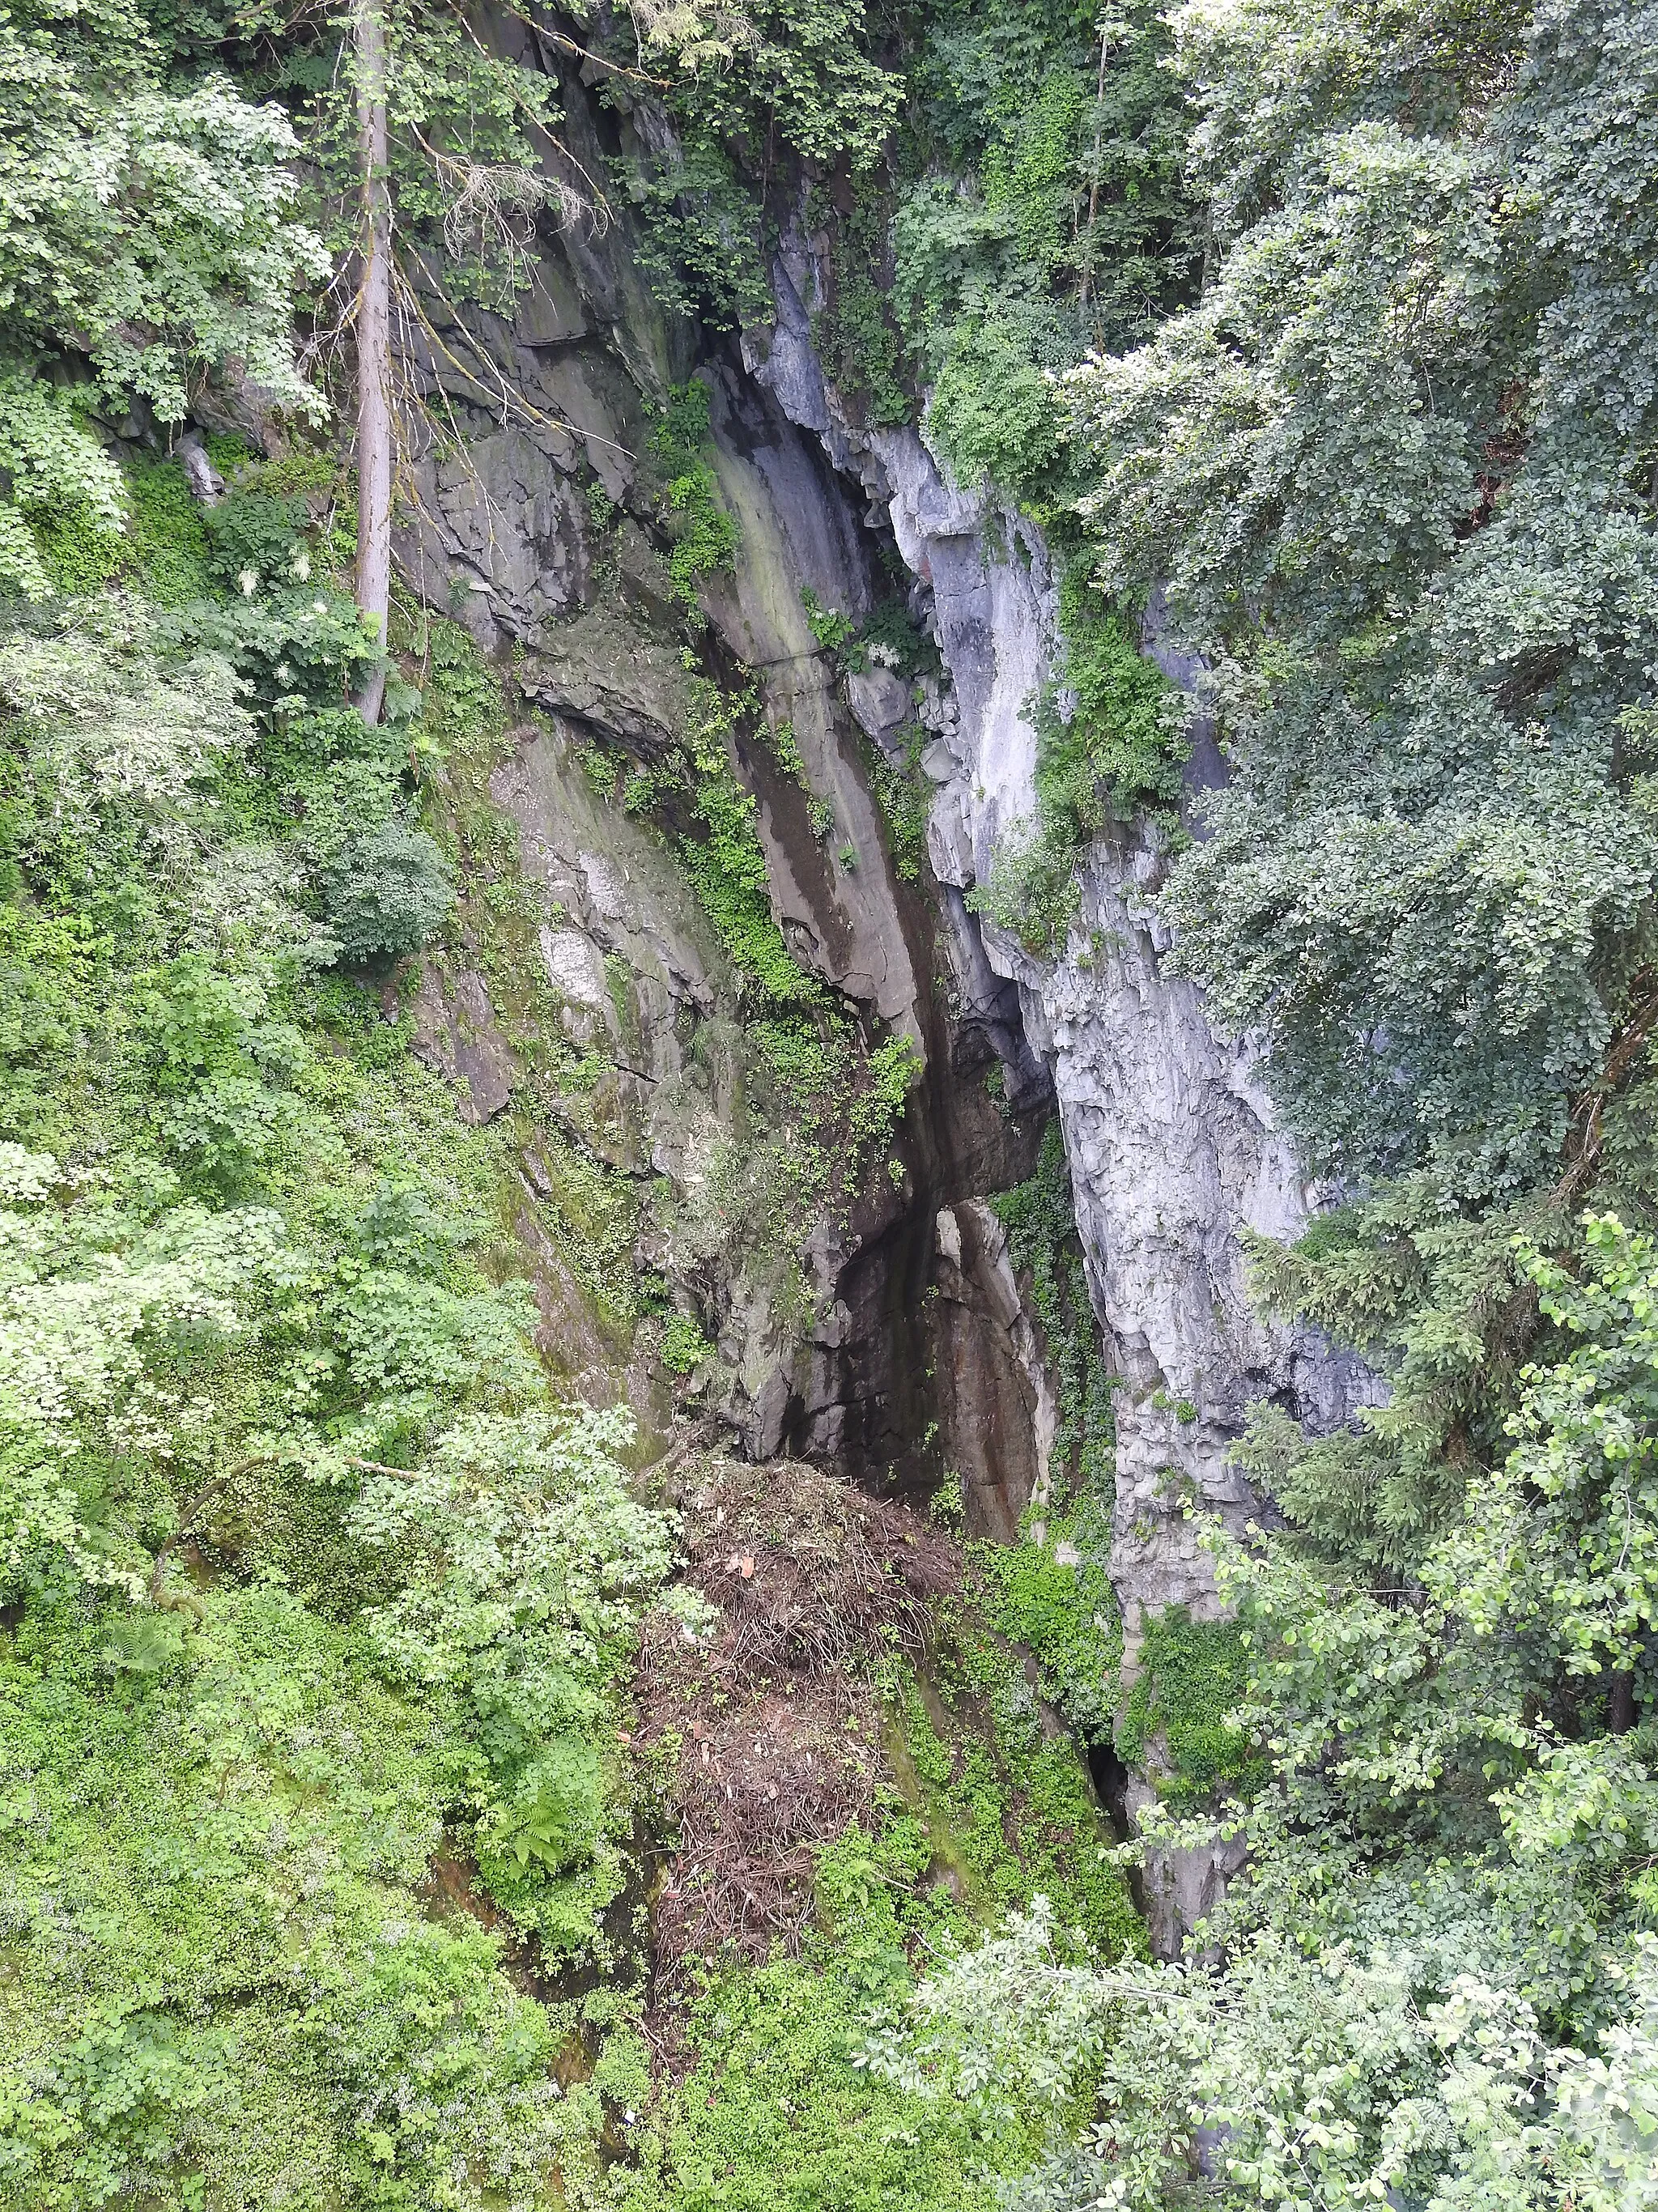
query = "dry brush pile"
{"x": 768, "y": 1717}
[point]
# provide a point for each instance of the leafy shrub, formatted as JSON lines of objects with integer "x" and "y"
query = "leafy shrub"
{"x": 993, "y": 416}
{"x": 895, "y": 1069}
{"x": 1049, "y": 203}
{"x": 802, "y": 75}
{"x": 82, "y": 550}
{"x": 1032, "y": 888}
{"x": 112, "y": 2113}
{"x": 1005, "y": 1799}
{"x": 705, "y": 536}
{"x": 786, "y": 751}
{"x": 856, "y": 339}
{"x": 223, "y": 1131}
{"x": 254, "y": 534}
{"x": 1040, "y": 1220}
{"x": 1108, "y": 740}
{"x": 779, "y": 2113}
{"x": 1063, "y": 1609}
{"x": 289, "y": 646}
{"x": 684, "y": 1347}
{"x": 834, "y": 631}
{"x": 523, "y": 1564}
{"x": 1193, "y": 1674}
{"x": 905, "y": 799}
{"x": 701, "y": 240}
{"x": 1109, "y": 745}
{"x": 388, "y": 893}
{"x": 169, "y": 541}
{"x": 463, "y": 706}
{"x": 727, "y": 863}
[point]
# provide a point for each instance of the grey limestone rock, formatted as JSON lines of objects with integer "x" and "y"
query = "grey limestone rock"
{"x": 1173, "y": 1150}
{"x": 1170, "y": 1139}
{"x": 997, "y": 1394}
{"x": 456, "y": 1033}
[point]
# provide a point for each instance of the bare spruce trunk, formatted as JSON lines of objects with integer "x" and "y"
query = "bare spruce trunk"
{"x": 374, "y": 344}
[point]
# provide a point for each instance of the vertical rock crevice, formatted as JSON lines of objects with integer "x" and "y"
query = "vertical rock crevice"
{"x": 537, "y": 530}
{"x": 1171, "y": 1143}
{"x": 918, "y": 1358}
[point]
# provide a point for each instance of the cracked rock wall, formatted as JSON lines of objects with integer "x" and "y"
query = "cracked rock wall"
{"x": 1170, "y": 1140}
{"x": 532, "y": 515}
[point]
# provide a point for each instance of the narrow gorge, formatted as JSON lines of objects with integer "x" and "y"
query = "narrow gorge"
{"x": 827, "y": 1375}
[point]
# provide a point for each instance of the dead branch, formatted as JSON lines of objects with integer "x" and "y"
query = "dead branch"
{"x": 157, "y": 1590}
{"x": 1581, "y": 1154}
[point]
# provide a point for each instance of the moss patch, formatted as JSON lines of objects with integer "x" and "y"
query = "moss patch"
{"x": 1191, "y": 1674}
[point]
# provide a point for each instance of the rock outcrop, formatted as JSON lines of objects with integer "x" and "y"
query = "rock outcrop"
{"x": 534, "y": 518}
{"x": 1172, "y": 1148}
{"x": 544, "y": 540}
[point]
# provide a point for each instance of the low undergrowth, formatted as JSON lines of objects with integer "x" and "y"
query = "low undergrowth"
{"x": 306, "y": 1574}
{"x": 1052, "y": 1594}
{"x": 997, "y": 1784}
{"x": 824, "y": 1841}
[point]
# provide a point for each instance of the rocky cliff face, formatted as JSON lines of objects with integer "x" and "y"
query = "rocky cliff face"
{"x": 1169, "y": 1135}
{"x": 1171, "y": 1145}
{"x": 535, "y": 520}
{"x": 918, "y": 1352}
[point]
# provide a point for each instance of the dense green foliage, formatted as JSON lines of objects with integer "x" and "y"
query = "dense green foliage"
{"x": 1044, "y": 213}
{"x": 1002, "y": 1800}
{"x": 1393, "y": 472}
{"x": 1324, "y": 2082}
{"x": 1406, "y": 509}
{"x": 1109, "y": 745}
{"x": 779, "y": 2107}
{"x": 218, "y": 1966}
{"x": 1051, "y": 1594}
{"x": 150, "y": 236}
{"x": 1190, "y": 1676}
{"x": 303, "y": 1565}
{"x": 905, "y": 799}
{"x": 705, "y": 537}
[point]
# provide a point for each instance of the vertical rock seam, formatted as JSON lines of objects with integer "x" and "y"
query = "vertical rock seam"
{"x": 1170, "y": 1139}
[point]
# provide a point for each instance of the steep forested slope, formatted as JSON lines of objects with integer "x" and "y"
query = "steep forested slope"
{"x": 503, "y": 1061}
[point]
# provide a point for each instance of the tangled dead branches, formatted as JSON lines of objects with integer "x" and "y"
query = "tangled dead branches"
{"x": 770, "y": 1714}
{"x": 810, "y": 1573}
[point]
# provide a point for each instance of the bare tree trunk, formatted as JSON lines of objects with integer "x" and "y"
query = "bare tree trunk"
{"x": 1094, "y": 175}
{"x": 373, "y": 343}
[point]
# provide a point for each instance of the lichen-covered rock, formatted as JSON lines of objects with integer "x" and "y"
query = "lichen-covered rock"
{"x": 457, "y": 1034}
{"x": 797, "y": 531}
{"x": 995, "y": 1390}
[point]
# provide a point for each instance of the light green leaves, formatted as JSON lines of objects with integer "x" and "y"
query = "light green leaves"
{"x": 518, "y": 1525}
{"x": 79, "y": 1325}
{"x": 148, "y": 237}
{"x": 1580, "y": 1490}
{"x": 193, "y": 256}
{"x": 108, "y": 722}
{"x": 524, "y": 1564}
